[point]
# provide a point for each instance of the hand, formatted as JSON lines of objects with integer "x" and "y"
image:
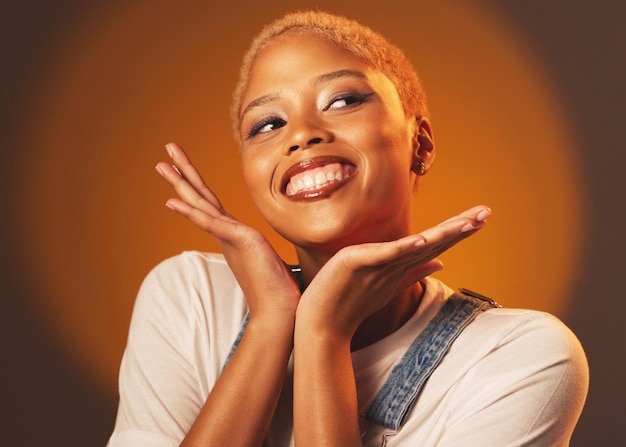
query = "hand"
{"x": 266, "y": 281}
{"x": 361, "y": 279}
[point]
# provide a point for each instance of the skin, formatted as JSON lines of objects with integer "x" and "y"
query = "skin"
{"x": 362, "y": 266}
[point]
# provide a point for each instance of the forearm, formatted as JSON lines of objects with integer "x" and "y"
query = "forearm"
{"x": 242, "y": 402}
{"x": 325, "y": 398}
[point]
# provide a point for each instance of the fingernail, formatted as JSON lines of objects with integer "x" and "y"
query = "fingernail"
{"x": 169, "y": 205}
{"x": 420, "y": 242}
{"x": 158, "y": 169}
{"x": 483, "y": 215}
{"x": 467, "y": 227}
{"x": 168, "y": 148}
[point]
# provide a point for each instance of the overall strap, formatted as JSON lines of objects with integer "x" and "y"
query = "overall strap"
{"x": 400, "y": 392}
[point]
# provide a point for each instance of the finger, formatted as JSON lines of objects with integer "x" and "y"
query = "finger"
{"x": 186, "y": 191}
{"x": 421, "y": 272}
{"x": 439, "y": 240}
{"x": 378, "y": 253}
{"x": 189, "y": 172}
{"x": 466, "y": 222}
{"x": 435, "y": 240}
{"x": 183, "y": 188}
{"x": 418, "y": 249}
{"x": 476, "y": 214}
{"x": 442, "y": 243}
{"x": 221, "y": 227}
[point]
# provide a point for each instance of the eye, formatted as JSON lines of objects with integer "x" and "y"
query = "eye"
{"x": 266, "y": 125}
{"x": 347, "y": 99}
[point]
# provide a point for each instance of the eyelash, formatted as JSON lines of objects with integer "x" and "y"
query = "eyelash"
{"x": 277, "y": 123}
{"x": 358, "y": 98}
{"x": 273, "y": 120}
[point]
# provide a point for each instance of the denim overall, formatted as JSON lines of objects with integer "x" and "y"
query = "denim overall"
{"x": 401, "y": 390}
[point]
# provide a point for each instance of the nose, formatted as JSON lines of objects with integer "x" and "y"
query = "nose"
{"x": 306, "y": 133}
{"x": 311, "y": 142}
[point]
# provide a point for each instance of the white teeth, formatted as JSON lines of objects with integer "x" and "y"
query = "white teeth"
{"x": 320, "y": 178}
{"x": 316, "y": 178}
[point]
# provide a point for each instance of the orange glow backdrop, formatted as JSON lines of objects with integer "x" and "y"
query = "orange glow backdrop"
{"x": 139, "y": 75}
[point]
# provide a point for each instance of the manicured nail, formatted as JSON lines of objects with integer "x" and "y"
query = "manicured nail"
{"x": 467, "y": 227}
{"x": 483, "y": 215}
{"x": 169, "y": 205}
{"x": 420, "y": 242}
{"x": 168, "y": 148}
{"x": 158, "y": 169}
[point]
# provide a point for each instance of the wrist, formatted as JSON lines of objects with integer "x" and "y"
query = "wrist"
{"x": 314, "y": 321}
{"x": 271, "y": 326}
{"x": 319, "y": 337}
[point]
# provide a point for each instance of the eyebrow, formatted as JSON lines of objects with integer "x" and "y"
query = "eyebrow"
{"x": 259, "y": 102}
{"x": 265, "y": 99}
{"x": 339, "y": 74}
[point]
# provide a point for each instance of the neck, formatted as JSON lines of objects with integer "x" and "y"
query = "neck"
{"x": 311, "y": 263}
{"x": 388, "y": 319}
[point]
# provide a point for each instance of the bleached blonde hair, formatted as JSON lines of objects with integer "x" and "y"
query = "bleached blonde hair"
{"x": 346, "y": 34}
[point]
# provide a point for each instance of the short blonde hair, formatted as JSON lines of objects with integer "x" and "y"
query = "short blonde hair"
{"x": 346, "y": 34}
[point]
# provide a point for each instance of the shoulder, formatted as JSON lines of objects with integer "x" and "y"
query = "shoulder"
{"x": 516, "y": 365}
{"x": 190, "y": 266}
{"x": 515, "y": 349}
{"x": 539, "y": 333}
{"x": 187, "y": 286}
{"x": 546, "y": 334}
{"x": 189, "y": 272}
{"x": 187, "y": 313}
{"x": 513, "y": 376}
{"x": 520, "y": 345}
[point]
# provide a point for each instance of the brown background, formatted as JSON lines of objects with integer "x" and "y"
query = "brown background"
{"x": 90, "y": 94}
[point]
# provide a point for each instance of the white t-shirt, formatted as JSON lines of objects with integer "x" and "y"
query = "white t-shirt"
{"x": 512, "y": 377}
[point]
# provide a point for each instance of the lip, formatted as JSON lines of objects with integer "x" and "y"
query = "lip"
{"x": 312, "y": 163}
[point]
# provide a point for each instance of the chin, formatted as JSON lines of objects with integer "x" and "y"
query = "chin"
{"x": 331, "y": 240}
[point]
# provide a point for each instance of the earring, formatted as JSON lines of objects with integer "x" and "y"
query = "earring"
{"x": 422, "y": 168}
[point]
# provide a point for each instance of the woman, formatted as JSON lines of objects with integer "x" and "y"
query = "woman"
{"x": 356, "y": 345}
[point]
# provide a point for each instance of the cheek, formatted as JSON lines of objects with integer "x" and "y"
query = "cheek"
{"x": 390, "y": 157}
{"x": 257, "y": 172}
{"x": 389, "y": 142}
{"x": 384, "y": 129}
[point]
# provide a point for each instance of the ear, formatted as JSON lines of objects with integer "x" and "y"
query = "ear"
{"x": 423, "y": 146}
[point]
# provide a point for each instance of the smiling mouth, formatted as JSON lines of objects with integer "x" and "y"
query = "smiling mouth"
{"x": 314, "y": 181}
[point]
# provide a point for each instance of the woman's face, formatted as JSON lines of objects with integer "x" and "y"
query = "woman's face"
{"x": 327, "y": 151}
